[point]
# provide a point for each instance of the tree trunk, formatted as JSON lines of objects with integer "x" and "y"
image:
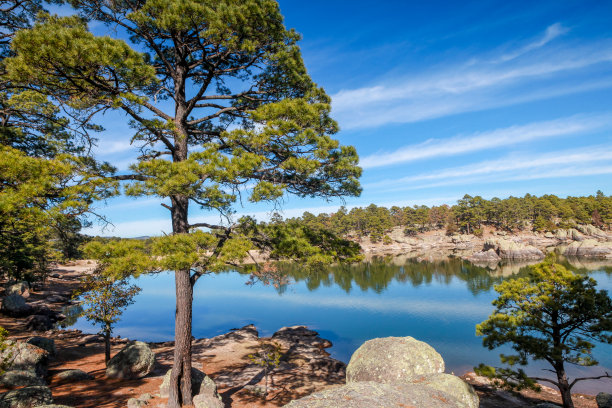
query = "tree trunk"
{"x": 107, "y": 345}
{"x": 180, "y": 380}
{"x": 564, "y": 387}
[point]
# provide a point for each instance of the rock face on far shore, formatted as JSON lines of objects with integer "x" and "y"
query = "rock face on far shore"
{"x": 507, "y": 249}
{"x": 589, "y": 248}
{"x": 394, "y": 372}
{"x": 134, "y": 361}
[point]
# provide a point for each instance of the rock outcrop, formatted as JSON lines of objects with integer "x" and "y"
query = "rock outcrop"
{"x": 134, "y": 361}
{"x": 484, "y": 256}
{"x": 589, "y": 248}
{"x": 507, "y": 249}
{"x": 15, "y": 305}
{"x": 394, "y": 372}
{"x": 25, "y": 357}
{"x": 26, "y": 397}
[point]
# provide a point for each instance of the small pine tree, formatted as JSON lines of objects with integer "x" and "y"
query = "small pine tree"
{"x": 104, "y": 300}
{"x": 268, "y": 358}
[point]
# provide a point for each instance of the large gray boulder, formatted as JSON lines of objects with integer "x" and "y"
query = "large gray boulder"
{"x": 451, "y": 385}
{"x": 20, "y": 378}
{"x": 376, "y": 395}
{"x": 27, "y": 397}
{"x": 15, "y": 305}
{"x": 604, "y": 400}
{"x": 207, "y": 401}
{"x": 395, "y": 372}
{"x": 393, "y": 359}
{"x": 134, "y": 361}
{"x": 75, "y": 375}
{"x": 21, "y": 288}
{"x": 200, "y": 384}
{"x": 44, "y": 343}
{"x": 25, "y": 357}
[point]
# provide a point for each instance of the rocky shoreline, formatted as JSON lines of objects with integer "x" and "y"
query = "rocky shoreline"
{"x": 493, "y": 246}
{"x": 67, "y": 366}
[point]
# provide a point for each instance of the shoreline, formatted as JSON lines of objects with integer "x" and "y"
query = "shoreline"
{"x": 222, "y": 357}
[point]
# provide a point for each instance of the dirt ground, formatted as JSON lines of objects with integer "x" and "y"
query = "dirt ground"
{"x": 224, "y": 359}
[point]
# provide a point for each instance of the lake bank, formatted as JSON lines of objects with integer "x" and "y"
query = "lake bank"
{"x": 224, "y": 353}
{"x": 584, "y": 241}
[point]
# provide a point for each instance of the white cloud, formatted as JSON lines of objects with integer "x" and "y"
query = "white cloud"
{"x": 553, "y": 31}
{"x": 569, "y": 163}
{"x": 113, "y": 146}
{"x": 468, "y": 86}
{"x": 486, "y": 140}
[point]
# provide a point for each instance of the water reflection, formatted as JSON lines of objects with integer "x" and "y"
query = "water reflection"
{"x": 377, "y": 273}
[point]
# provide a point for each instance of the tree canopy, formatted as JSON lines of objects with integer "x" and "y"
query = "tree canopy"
{"x": 552, "y": 315}
{"x": 222, "y": 107}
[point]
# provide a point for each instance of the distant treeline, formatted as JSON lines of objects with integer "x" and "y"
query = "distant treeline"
{"x": 469, "y": 216}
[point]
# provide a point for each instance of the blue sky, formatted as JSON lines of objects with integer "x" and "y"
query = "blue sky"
{"x": 441, "y": 99}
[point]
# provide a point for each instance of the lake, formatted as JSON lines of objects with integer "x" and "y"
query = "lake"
{"x": 436, "y": 301}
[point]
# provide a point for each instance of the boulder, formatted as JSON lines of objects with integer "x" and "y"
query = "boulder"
{"x": 561, "y": 234}
{"x": 604, "y": 400}
{"x": 15, "y": 305}
{"x": 134, "y": 361}
{"x": 21, "y": 288}
{"x": 589, "y": 248}
{"x": 52, "y": 406}
{"x": 575, "y": 235}
{"x": 370, "y": 394}
{"x": 485, "y": 256}
{"x": 393, "y": 359}
{"x": 591, "y": 231}
{"x": 200, "y": 384}
{"x": 39, "y": 323}
{"x": 26, "y": 357}
{"x": 20, "y": 378}
{"x": 300, "y": 335}
{"x": 44, "y": 343}
{"x": 207, "y": 401}
{"x": 26, "y": 397}
{"x": 73, "y": 376}
{"x": 451, "y": 385}
{"x": 507, "y": 249}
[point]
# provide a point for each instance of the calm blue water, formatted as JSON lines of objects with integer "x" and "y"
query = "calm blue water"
{"x": 436, "y": 302}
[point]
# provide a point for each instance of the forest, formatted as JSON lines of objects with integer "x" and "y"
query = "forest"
{"x": 469, "y": 216}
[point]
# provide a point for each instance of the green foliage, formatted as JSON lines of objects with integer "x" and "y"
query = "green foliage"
{"x": 553, "y": 315}
{"x": 469, "y": 215}
{"x": 267, "y": 357}
{"x": 104, "y": 299}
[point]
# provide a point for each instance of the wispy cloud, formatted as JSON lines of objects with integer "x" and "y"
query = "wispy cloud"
{"x": 568, "y": 163}
{"x": 114, "y": 146}
{"x": 462, "y": 144}
{"x": 553, "y": 31}
{"x": 464, "y": 86}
